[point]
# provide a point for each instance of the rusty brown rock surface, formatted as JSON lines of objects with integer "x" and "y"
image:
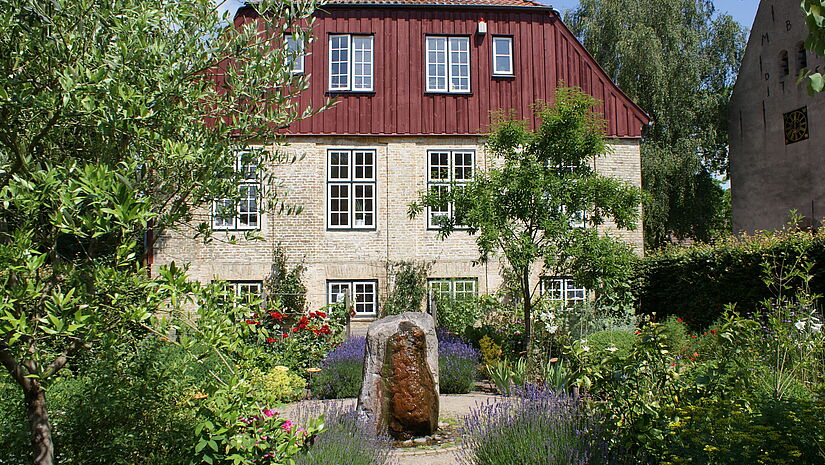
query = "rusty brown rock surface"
{"x": 399, "y": 395}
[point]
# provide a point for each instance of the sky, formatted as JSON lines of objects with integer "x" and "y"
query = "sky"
{"x": 742, "y": 11}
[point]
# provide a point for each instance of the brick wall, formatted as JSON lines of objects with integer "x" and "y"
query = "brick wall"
{"x": 401, "y": 164}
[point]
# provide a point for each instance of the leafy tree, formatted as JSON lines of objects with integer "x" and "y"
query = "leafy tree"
{"x": 678, "y": 60}
{"x": 815, "y": 20}
{"x": 528, "y": 208}
{"x": 117, "y": 115}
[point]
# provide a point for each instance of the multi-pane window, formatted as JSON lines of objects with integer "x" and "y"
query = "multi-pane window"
{"x": 351, "y": 189}
{"x": 296, "y": 53}
{"x": 448, "y": 64}
{"x": 351, "y": 63}
{"x": 446, "y": 167}
{"x": 245, "y": 291}
{"x": 578, "y": 220}
{"x": 563, "y": 289}
{"x": 503, "y": 56}
{"x": 243, "y": 213}
{"x": 453, "y": 288}
{"x": 362, "y": 294}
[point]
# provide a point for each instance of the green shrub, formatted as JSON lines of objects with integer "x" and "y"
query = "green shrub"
{"x": 490, "y": 351}
{"x": 277, "y": 386}
{"x": 716, "y": 432}
{"x": 604, "y": 340}
{"x": 409, "y": 287}
{"x": 697, "y": 282}
{"x": 127, "y": 405}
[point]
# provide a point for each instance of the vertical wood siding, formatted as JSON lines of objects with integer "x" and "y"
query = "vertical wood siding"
{"x": 545, "y": 54}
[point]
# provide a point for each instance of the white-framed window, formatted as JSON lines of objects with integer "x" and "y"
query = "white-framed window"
{"x": 503, "y": 56}
{"x": 448, "y": 64}
{"x": 228, "y": 214}
{"x": 453, "y": 288}
{"x": 351, "y": 62}
{"x": 445, "y": 167}
{"x": 351, "y": 189}
{"x": 296, "y": 51}
{"x": 363, "y": 295}
{"x": 563, "y": 289}
{"x": 245, "y": 290}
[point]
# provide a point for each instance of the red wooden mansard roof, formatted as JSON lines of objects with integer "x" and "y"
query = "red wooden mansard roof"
{"x": 545, "y": 55}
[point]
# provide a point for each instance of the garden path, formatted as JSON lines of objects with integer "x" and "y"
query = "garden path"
{"x": 452, "y": 408}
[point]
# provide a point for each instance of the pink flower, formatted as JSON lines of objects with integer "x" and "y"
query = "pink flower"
{"x": 287, "y": 426}
{"x": 269, "y": 413}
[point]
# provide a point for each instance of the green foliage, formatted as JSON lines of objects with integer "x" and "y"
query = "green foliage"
{"x": 815, "y": 42}
{"x": 285, "y": 285}
{"x": 112, "y": 121}
{"x": 507, "y": 376}
{"x": 456, "y": 315}
{"x": 642, "y": 46}
{"x": 528, "y": 207}
{"x": 277, "y": 386}
{"x": 490, "y": 351}
{"x": 717, "y": 431}
{"x": 409, "y": 287}
{"x": 697, "y": 282}
{"x": 611, "y": 341}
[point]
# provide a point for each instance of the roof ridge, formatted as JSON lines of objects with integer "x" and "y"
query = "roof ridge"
{"x": 498, "y": 3}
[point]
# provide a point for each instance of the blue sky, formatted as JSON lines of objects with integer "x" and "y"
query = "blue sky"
{"x": 742, "y": 11}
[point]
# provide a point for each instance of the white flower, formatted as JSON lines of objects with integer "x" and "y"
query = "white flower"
{"x": 816, "y": 327}
{"x": 800, "y": 325}
{"x": 612, "y": 349}
{"x": 552, "y": 329}
{"x": 585, "y": 348}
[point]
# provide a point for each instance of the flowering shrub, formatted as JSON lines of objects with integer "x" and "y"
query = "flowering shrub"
{"x": 345, "y": 439}
{"x": 535, "y": 427}
{"x": 262, "y": 438}
{"x": 341, "y": 371}
{"x": 457, "y": 364}
{"x": 278, "y": 385}
{"x": 299, "y": 341}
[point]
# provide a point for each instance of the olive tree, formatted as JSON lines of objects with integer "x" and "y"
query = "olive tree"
{"x": 118, "y": 116}
{"x": 542, "y": 204}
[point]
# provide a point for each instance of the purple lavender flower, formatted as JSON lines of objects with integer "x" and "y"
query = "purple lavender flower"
{"x": 457, "y": 364}
{"x": 341, "y": 371}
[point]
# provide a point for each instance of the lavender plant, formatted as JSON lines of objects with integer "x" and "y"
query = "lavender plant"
{"x": 341, "y": 371}
{"x": 345, "y": 439}
{"x": 457, "y": 364}
{"x": 535, "y": 427}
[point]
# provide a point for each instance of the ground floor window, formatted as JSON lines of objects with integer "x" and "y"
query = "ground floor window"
{"x": 453, "y": 288}
{"x": 364, "y": 295}
{"x": 245, "y": 290}
{"x": 564, "y": 289}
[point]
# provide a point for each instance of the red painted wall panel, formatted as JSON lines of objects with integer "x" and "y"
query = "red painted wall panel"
{"x": 544, "y": 52}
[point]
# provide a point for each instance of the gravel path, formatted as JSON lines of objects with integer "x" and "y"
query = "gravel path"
{"x": 452, "y": 408}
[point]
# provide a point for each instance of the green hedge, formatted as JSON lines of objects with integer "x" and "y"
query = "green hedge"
{"x": 696, "y": 282}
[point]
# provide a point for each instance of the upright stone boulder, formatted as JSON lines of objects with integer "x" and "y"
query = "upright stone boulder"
{"x": 400, "y": 390}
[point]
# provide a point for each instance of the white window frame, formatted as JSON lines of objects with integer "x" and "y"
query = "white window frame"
{"x": 509, "y": 55}
{"x": 452, "y": 63}
{"x": 441, "y": 182}
{"x": 247, "y": 206}
{"x": 296, "y": 48}
{"x": 562, "y": 289}
{"x": 579, "y": 220}
{"x": 355, "y": 81}
{"x": 240, "y": 288}
{"x": 364, "y": 301}
{"x": 453, "y": 287}
{"x": 358, "y": 177}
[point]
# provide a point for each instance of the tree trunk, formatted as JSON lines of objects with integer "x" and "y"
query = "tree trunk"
{"x": 41, "y": 430}
{"x": 528, "y": 304}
